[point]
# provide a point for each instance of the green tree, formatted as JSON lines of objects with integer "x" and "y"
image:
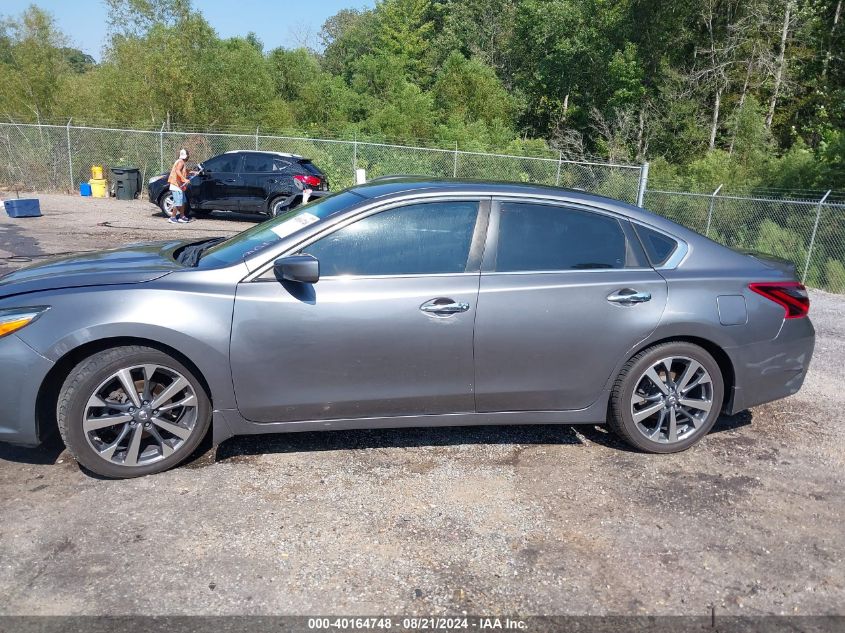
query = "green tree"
{"x": 33, "y": 65}
{"x": 346, "y": 37}
{"x": 470, "y": 90}
{"x": 404, "y": 33}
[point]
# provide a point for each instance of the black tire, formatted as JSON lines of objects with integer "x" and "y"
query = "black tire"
{"x": 621, "y": 417}
{"x": 83, "y": 382}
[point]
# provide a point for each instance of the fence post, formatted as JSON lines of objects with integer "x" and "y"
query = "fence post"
{"x": 355, "y": 153}
{"x": 455, "y": 167}
{"x": 161, "y": 148}
{"x": 813, "y": 236}
{"x": 69, "y": 154}
{"x": 256, "y": 137}
{"x": 642, "y": 184}
{"x": 559, "y": 162}
{"x": 710, "y": 209}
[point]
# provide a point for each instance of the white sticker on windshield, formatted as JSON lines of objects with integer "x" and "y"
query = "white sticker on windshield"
{"x": 294, "y": 224}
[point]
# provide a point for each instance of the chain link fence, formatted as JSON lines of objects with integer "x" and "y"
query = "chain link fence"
{"x": 809, "y": 232}
{"x": 56, "y": 157}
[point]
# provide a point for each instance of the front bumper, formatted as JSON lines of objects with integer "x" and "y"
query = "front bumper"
{"x": 775, "y": 369}
{"x": 22, "y": 371}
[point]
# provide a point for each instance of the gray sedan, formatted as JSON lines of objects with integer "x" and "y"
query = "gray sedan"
{"x": 401, "y": 303}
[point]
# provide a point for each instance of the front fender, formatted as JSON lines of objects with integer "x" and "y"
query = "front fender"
{"x": 196, "y": 325}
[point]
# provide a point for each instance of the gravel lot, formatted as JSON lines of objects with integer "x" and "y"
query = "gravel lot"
{"x": 525, "y": 520}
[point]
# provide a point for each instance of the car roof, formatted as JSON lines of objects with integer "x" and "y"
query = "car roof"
{"x": 391, "y": 185}
{"x": 388, "y": 186}
{"x": 261, "y": 151}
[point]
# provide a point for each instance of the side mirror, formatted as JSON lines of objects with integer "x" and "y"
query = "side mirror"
{"x": 300, "y": 268}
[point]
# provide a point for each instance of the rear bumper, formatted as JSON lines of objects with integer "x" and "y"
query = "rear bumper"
{"x": 22, "y": 371}
{"x": 773, "y": 369}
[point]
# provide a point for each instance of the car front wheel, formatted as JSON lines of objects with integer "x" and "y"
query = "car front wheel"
{"x": 667, "y": 397}
{"x": 132, "y": 411}
{"x": 165, "y": 203}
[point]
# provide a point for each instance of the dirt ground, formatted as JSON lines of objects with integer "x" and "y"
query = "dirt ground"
{"x": 518, "y": 520}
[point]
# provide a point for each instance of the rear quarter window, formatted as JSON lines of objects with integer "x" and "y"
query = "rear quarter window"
{"x": 310, "y": 168}
{"x": 658, "y": 247}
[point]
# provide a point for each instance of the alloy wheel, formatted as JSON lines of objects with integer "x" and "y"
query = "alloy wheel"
{"x": 672, "y": 399}
{"x": 168, "y": 203}
{"x": 279, "y": 208}
{"x": 140, "y": 415}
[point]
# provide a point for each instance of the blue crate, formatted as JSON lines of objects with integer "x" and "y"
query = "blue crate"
{"x": 23, "y": 208}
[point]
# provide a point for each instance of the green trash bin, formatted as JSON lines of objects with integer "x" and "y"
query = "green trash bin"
{"x": 127, "y": 182}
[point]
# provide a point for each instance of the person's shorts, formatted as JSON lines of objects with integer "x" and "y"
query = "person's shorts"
{"x": 178, "y": 197}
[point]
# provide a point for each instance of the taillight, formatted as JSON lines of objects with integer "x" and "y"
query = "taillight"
{"x": 311, "y": 181}
{"x": 791, "y": 295}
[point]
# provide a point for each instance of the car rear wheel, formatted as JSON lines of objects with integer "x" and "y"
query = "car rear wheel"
{"x": 667, "y": 397}
{"x": 132, "y": 411}
{"x": 278, "y": 206}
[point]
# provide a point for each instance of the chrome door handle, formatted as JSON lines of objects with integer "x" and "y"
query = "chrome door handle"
{"x": 444, "y": 307}
{"x": 628, "y": 297}
{"x": 230, "y": 180}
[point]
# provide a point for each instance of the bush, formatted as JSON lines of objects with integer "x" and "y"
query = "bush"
{"x": 834, "y": 276}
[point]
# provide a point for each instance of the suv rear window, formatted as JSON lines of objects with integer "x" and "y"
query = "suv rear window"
{"x": 658, "y": 247}
{"x": 310, "y": 168}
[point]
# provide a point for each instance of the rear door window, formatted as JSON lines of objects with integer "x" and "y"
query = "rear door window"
{"x": 541, "y": 237}
{"x": 258, "y": 163}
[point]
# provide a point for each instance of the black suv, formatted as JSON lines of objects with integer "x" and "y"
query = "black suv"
{"x": 245, "y": 181}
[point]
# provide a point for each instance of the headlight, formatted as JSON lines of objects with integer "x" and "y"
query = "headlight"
{"x": 13, "y": 319}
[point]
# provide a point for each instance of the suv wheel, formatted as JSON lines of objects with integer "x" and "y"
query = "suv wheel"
{"x": 165, "y": 203}
{"x": 279, "y": 206}
{"x": 132, "y": 411}
{"x": 666, "y": 398}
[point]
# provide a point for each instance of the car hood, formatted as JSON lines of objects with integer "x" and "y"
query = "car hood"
{"x": 132, "y": 264}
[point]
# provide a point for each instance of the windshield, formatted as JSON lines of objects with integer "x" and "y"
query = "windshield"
{"x": 266, "y": 234}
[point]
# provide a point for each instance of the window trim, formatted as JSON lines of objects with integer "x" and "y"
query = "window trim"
{"x": 488, "y": 266}
{"x": 474, "y": 257}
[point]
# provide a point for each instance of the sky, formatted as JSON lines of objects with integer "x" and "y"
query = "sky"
{"x": 276, "y": 22}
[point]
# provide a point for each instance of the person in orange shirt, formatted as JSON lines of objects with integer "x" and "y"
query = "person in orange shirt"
{"x": 178, "y": 180}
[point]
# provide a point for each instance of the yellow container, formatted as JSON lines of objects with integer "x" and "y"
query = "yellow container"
{"x": 96, "y": 172}
{"x": 99, "y": 187}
